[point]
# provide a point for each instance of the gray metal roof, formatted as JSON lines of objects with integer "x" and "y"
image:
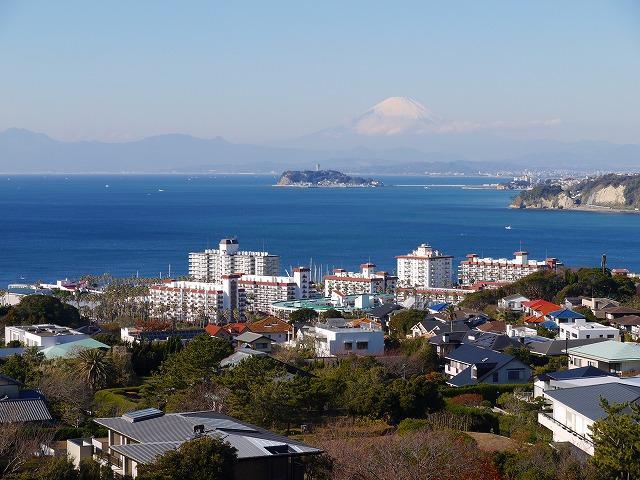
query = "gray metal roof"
{"x": 24, "y": 410}
{"x": 558, "y": 347}
{"x": 250, "y": 337}
{"x": 586, "y": 400}
{"x": 159, "y": 434}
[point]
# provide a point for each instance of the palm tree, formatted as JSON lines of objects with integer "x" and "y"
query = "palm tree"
{"x": 95, "y": 367}
{"x": 451, "y": 312}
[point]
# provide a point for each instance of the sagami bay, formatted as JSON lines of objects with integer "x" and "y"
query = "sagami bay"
{"x": 66, "y": 226}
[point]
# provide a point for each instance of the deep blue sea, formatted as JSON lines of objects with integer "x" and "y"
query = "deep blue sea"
{"x": 55, "y": 226}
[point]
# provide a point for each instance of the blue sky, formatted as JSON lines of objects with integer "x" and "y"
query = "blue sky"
{"x": 261, "y": 71}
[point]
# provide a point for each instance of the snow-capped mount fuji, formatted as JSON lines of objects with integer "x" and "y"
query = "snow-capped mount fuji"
{"x": 395, "y": 116}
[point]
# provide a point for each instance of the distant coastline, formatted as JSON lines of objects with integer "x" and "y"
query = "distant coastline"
{"x": 324, "y": 179}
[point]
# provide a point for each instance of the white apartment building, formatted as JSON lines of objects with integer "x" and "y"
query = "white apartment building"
{"x": 586, "y": 330}
{"x": 261, "y": 290}
{"x": 43, "y": 335}
{"x": 193, "y": 301}
{"x": 356, "y": 283}
{"x": 425, "y": 267}
{"x": 211, "y": 265}
{"x": 475, "y": 269}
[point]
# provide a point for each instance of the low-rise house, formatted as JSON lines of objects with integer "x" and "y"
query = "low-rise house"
{"x": 334, "y": 339}
{"x": 382, "y": 313}
{"x": 218, "y": 331}
{"x": 617, "y": 312}
{"x": 566, "y": 378}
{"x": 573, "y": 302}
{"x": 547, "y": 347}
{"x": 588, "y": 330}
{"x": 610, "y": 356}
{"x": 254, "y": 341}
{"x": 235, "y": 328}
{"x": 539, "y": 308}
{"x": 136, "y": 335}
{"x": 139, "y": 437}
{"x": 493, "y": 341}
{"x": 447, "y": 342}
{"x": 71, "y": 349}
{"x": 273, "y": 328}
{"x": 597, "y": 304}
{"x": 566, "y": 316}
{"x": 432, "y": 326}
{"x": 512, "y": 302}
{"x": 470, "y": 365}
{"x": 41, "y": 335}
{"x": 574, "y": 410}
{"x": 18, "y": 405}
{"x": 494, "y": 326}
{"x": 520, "y": 331}
{"x": 628, "y": 323}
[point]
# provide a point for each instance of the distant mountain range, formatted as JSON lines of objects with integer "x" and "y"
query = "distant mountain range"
{"x": 398, "y": 135}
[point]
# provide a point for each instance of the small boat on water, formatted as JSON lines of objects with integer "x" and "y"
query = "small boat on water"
{"x": 508, "y": 227}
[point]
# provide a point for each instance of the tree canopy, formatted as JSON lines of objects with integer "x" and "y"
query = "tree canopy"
{"x": 34, "y": 309}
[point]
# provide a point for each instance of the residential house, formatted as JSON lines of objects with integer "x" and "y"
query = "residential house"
{"x": 565, "y": 316}
{"x": 273, "y": 328}
{"x": 617, "y": 312}
{"x": 512, "y": 302}
{"x": 18, "y": 405}
{"x": 547, "y": 347}
{"x": 138, "y": 438}
{"x": 610, "y": 356}
{"x": 71, "y": 349}
{"x": 627, "y": 323}
{"x": 597, "y": 305}
{"x": 566, "y": 378}
{"x": 588, "y": 330}
{"x": 446, "y": 342}
{"x": 494, "y": 326}
{"x": 382, "y": 313}
{"x": 334, "y": 339}
{"x": 574, "y": 410}
{"x": 254, "y": 341}
{"x": 218, "y": 331}
{"x": 470, "y": 365}
{"x": 539, "y": 308}
{"x": 432, "y": 326}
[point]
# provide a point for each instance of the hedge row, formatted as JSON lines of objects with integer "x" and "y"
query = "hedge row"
{"x": 489, "y": 391}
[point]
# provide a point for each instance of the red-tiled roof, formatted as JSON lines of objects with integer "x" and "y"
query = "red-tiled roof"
{"x": 270, "y": 325}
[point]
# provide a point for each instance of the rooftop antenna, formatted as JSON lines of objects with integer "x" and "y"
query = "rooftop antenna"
{"x": 169, "y": 270}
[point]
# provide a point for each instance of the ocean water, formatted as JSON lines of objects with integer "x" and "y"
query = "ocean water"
{"x": 55, "y": 226}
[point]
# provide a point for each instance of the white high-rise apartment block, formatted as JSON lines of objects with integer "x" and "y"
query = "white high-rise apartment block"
{"x": 262, "y": 291}
{"x": 211, "y": 265}
{"x": 356, "y": 283}
{"x": 193, "y": 301}
{"x": 425, "y": 267}
{"x": 475, "y": 269}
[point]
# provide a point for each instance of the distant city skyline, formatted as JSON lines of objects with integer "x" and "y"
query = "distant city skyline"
{"x": 262, "y": 73}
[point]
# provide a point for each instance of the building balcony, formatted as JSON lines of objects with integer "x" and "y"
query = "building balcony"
{"x": 563, "y": 433}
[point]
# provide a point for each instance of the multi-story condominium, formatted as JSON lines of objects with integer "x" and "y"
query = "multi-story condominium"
{"x": 194, "y": 301}
{"x": 356, "y": 283}
{"x": 43, "y": 335}
{"x": 211, "y": 265}
{"x": 261, "y": 290}
{"x": 425, "y": 267}
{"x": 475, "y": 269}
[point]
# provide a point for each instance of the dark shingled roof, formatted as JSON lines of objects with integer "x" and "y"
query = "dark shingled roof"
{"x": 557, "y": 347}
{"x": 586, "y": 400}
{"x": 582, "y": 372}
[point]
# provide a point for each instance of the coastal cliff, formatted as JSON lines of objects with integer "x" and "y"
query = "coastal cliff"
{"x": 323, "y": 178}
{"x": 608, "y": 192}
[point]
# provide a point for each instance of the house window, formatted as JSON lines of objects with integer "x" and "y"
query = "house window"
{"x": 362, "y": 345}
{"x": 496, "y": 377}
{"x": 348, "y": 345}
{"x": 514, "y": 374}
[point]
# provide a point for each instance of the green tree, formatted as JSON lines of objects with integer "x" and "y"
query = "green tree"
{"x": 616, "y": 440}
{"x": 25, "y": 367}
{"x": 95, "y": 367}
{"x": 401, "y": 322}
{"x": 204, "y": 458}
{"x": 303, "y": 315}
{"x": 34, "y": 309}
{"x": 331, "y": 313}
{"x": 57, "y": 468}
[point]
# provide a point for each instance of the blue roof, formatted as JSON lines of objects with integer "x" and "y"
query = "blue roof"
{"x": 438, "y": 307}
{"x": 549, "y": 325}
{"x": 566, "y": 313}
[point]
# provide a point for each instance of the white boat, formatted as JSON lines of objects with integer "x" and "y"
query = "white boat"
{"x": 508, "y": 227}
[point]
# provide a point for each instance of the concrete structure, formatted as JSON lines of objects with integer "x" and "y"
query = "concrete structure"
{"x": 262, "y": 291}
{"x": 588, "y": 330}
{"x": 139, "y": 437}
{"x": 42, "y": 335}
{"x": 421, "y": 298}
{"x": 333, "y": 341}
{"x": 354, "y": 283}
{"x": 212, "y": 265}
{"x": 199, "y": 301}
{"x": 136, "y": 335}
{"x": 512, "y": 302}
{"x": 610, "y": 356}
{"x": 425, "y": 267}
{"x": 475, "y": 269}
